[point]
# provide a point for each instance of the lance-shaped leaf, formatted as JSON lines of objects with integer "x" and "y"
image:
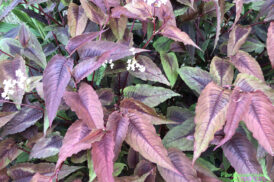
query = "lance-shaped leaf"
{"x": 46, "y": 146}
{"x": 105, "y": 95}
{"x": 170, "y": 65}
{"x": 23, "y": 35}
{"x": 219, "y": 14}
{"x": 55, "y": 80}
{"x": 152, "y": 72}
{"x": 8, "y": 152}
{"x": 150, "y": 113}
{"x": 237, "y": 38}
{"x": 210, "y": 116}
{"x": 118, "y": 124}
{"x": 249, "y": 83}
{"x": 247, "y": 64}
{"x": 8, "y": 70}
{"x": 25, "y": 118}
{"x": 102, "y": 156}
{"x": 242, "y": 156}
{"x": 259, "y": 120}
{"x": 183, "y": 164}
{"x": 118, "y": 26}
{"x": 80, "y": 40}
{"x": 6, "y": 117}
{"x": 195, "y": 78}
{"x": 93, "y": 12}
{"x": 221, "y": 71}
{"x": 78, "y": 137}
{"x": 143, "y": 138}
{"x": 87, "y": 106}
{"x": 77, "y": 19}
{"x": 270, "y": 43}
{"x": 149, "y": 95}
{"x": 238, "y": 103}
{"x": 137, "y": 10}
{"x": 176, "y": 34}
{"x": 177, "y": 137}
{"x": 239, "y": 7}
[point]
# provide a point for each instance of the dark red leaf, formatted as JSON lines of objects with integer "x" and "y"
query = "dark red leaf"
{"x": 270, "y": 43}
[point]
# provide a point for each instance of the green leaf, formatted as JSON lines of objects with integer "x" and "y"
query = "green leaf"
{"x": 162, "y": 44}
{"x": 170, "y": 64}
{"x": 118, "y": 168}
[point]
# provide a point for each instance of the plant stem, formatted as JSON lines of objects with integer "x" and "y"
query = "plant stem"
{"x": 6, "y": 53}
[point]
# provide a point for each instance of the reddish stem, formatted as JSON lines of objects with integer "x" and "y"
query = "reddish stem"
{"x": 6, "y": 53}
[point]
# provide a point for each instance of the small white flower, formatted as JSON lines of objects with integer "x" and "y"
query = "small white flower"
{"x": 132, "y": 50}
{"x": 111, "y": 66}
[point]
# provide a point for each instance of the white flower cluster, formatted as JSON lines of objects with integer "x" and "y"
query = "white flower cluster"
{"x": 10, "y": 84}
{"x": 132, "y": 64}
{"x": 156, "y": 3}
{"x": 108, "y": 62}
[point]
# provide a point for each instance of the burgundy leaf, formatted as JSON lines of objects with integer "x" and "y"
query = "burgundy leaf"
{"x": 94, "y": 13}
{"x": 118, "y": 26}
{"x": 132, "y": 158}
{"x": 78, "y": 137}
{"x": 144, "y": 167}
{"x": 24, "y": 35}
{"x": 102, "y": 156}
{"x": 239, "y": 7}
{"x": 178, "y": 114}
{"x": 259, "y": 120}
{"x": 87, "y": 106}
{"x": 55, "y": 80}
{"x": 105, "y": 95}
{"x": 118, "y": 124}
{"x": 219, "y": 14}
{"x": 270, "y": 43}
{"x": 183, "y": 164}
{"x": 6, "y": 117}
{"x": 9, "y": 8}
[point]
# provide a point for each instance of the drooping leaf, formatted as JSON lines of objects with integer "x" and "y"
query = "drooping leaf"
{"x": 25, "y": 118}
{"x": 210, "y": 116}
{"x": 247, "y": 64}
{"x": 102, "y": 156}
{"x": 6, "y": 117}
{"x": 8, "y": 152}
{"x": 143, "y": 138}
{"x": 259, "y": 120}
{"x": 78, "y": 137}
{"x": 249, "y": 83}
{"x": 118, "y": 124}
{"x": 77, "y": 19}
{"x": 152, "y": 72}
{"x": 219, "y": 13}
{"x": 235, "y": 113}
{"x": 87, "y": 106}
{"x": 195, "y": 78}
{"x": 242, "y": 156}
{"x": 270, "y": 43}
{"x": 46, "y": 146}
{"x": 118, "y": 26}
{"x": 93, "y": 12}
{"x": 55, "y": 80}
{"x": 221, "y": 71}
{"x": 239, "y": 7}
{"x": 237, "y": 38}
{"x": 177, "y": 137}
{"x": 183, "y": 164}
{"x": 170, "y": 65}
{"x": 105, "y": 95}
{"x": 149, "y": 95}
{"x": 176, "y": 34}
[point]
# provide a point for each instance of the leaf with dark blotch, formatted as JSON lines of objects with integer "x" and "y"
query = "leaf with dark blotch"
{"x": 222, "y": 71}
{"x": 24, "y": 172}
{"x": 237, "y": 38}
{"x": 238, "y": 103}
{"x": 259, "y": 120}
{"x": 93, "y": 12}
{"x": 195, "y": 78}
{"x": 102, "y": 156}
{"x": 25, "y": 118}
{"x": 6, "y": 117}
{"x": 242, "y": 156}
{"x": 143, "y": 138}
{"x": 87, "y": 106}
{"x": 118, "y": 26}
{"x": 247, "y": 64}
{"x": 144, "y": 167}
{"x": 46, "y": 146}
{"x": 137, "y": 10}
{"x": 177, "y": 137}
{"x": 77, "y": 19}
{"x": 80, "y": 40}
{"x": 152, "y": 72}
{"x": 183, "y": 164}
{"x": 210, "y": 116}
{"x": 239, "y": 7}
{"x": 23, "y": 35}
{"x": 149, "y": 95}
{"x": 8, "y": 152}
{"x": 170, "y": 65}
{"x": 176, "y": 34}
{"x": 105, "y": 95}
{"x": 55, "y": 80}
{"x": 9, "y": 8}
{"x": 270, "y": 43}
{"x": 118, "y": 124}
{"x": 150, "y": 113}
{"x": 78, "y": 137}
{"x": 249, "y": 83}
{"x": 178, "y": 114}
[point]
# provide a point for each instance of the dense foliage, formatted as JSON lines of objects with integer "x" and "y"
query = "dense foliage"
{"x": 137, "y": 90}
